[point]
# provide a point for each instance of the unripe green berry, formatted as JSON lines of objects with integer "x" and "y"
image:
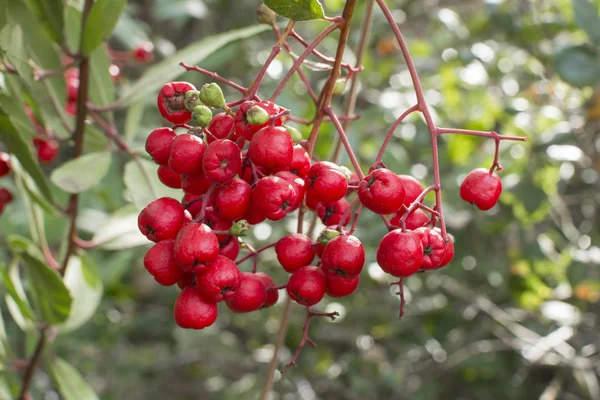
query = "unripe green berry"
{"x": 340, "y": 87}
{"x": 192, "y": 100}
{"x": 212, "y": 95}
{"x": 327, "y": 235}
{"x": 294, "y": 133}
{"x": 256, "y": 115}
{"x": 265, "y": 15}
{"x": 346, "y": 172}
{"x": 240, "y": 228}
{"x": 202, "y": 116}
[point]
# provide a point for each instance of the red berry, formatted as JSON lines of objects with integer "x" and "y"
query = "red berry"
{"x": 415, "y": 219}
{"x": 5, "y": 196}
{"x": 47, "y": 149}
{"x": 221, "y": 126}
{"x": 191, "y": 311}
{"x": 300, "y": 161}
{"x": 72, "y": 87}
{"x": 344, "y": 255}
{"x": 160, "y": 262}
{"x": 196, "y": 184}
{"x": 169, "y": 177}
{"x": 274, "y": 196}
{"x": 195, "y": 246}
{"x": 195, "y": 207}
{"x": 162, "y": 219}
{"x": 271, "y": 147}
{"x": 158, "y": 144}
{"x": 230, "y": 248}
{"x": 251, "y": 295}
{"x": 187, "y": 279}
{"x": 326, "y": 182}
{"x": 400, "y": 253}
{"x": 216, "y": 223}
{"x": 220, "y": 280}
{"x": 232, "y": 199}
{"x": 254, "y": 215}
{"x": 437, "y": 252}
{"x": 412, "y": 188}
{"x": 311, "y": 201}
{"x": 143, "y": 52}
{"x": 4, "y": 164}
{"x": 244, "y": 128}
{"x": 481, "y": 188}
{"x": 339, "y": 286}
{"x": 71, "y": 108}
{"x": 273, "y": 294}
{"x": 307, "y": 285}
{"x": 186, "y": 154}
{"x": 298, "y": 185}
{"x": 294, "y": 251}
{"x": 381, "y": 191}
{"x": 170, "y": 102}
{"x": 332, "y": 213}
{"x": 222, "y": 160}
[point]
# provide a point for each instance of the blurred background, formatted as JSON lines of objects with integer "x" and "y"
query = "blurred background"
{"x": 514, "y": 316}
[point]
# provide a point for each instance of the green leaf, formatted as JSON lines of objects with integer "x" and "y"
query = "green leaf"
{"x": 100, "y": 23}
{"x": 169, "y": 68}
{"x": 30, "y": 190}
{"x": 50, "y": 14}
{"x": 132, "y": 121}
{"x": 121, "y": 231}
{"x": 297, "y": 10}
{"x": 102, "y": 87}
{"x": 578, "y": 65}
{"x": 140, "y": 185}
{"x": 18, "y": 146}
{"x": 69, "y": 382}
{"x": 13, "y": 293}
{"x": 12, "y": 44}
{"x": 84, "y": 285}
{"x": 586, "y": 15}
{"x": 82, "y": 173}
{"x": 72, "y": 27}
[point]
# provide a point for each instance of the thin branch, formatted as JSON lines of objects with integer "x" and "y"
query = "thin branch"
{"x": 32, "y": 364}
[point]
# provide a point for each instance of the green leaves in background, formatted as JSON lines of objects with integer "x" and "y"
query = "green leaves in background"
{"x": 51, "y": 298}
{"x": 169, "y": 68}
{"x": 120, "y": 231}
{"x": 586, "y": 15}
{"x": 50, "y": 14}
{"x": 297, "y": 10}
{"x": 82, "y": 173}
{"x": 578, "y": 65}
{"x": 84, "y": 285}
{"x": 142, "y": 191}
{"x": 14, "y": 294}
{"x": 100, "y": 23}
{"x": 69, "y": 382}
{"x": 22, "y": 150}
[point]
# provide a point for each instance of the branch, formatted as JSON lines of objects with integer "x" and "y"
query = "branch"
{"x": 32, "y": 364}
{"x": 214, "y": 76}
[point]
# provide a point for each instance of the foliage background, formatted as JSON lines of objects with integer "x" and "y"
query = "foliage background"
{"x": 515, "y": 316}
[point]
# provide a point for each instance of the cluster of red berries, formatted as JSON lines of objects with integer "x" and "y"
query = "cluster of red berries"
{"x": 240, "y": 168}
{"x": 5, "y": 194}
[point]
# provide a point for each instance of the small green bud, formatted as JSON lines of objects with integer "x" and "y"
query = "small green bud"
{"x": 192, "y": 100}
{"x": 327, "y": 235}
{"x": 256, "y": 115}
{"x": 240, "y": 228}
{"x": 294, "y": 133}
{"x": 346, "y": 172}
{"x": 340, "y": 87}
{"x": 265, "y": 15}
{"x": 202, "y": 116}
{"x": 212, "y": 95}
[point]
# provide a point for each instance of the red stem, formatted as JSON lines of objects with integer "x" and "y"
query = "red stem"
{"x": 214, "y": 76}
{"x": 344, "y": 139}
{"x": 254, "y": 252}
{"x": 388, "y": 137}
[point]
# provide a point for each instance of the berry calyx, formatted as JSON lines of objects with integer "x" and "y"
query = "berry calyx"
{"x": 192, "y": 311}
{"x": 162, "y": 219}
{"x": 400, "y": 254}
{"x": 219, "y": 280}
{"x": 192, "y": 100}
{"x": 481, "y": 188}
{"x": 250, "y": 296}
{"x": 160, "y": 262}
{"x": 381, "y": 191}
{"x": 437, "y": 252}
{"x": 171, "y": 102}
{"x": 195, "y": 246}
{"x": 307, "y": 285}
{"x": 343, "y": 256}
{"x": 295, "y": 251}
{"x": 158, "y": 144}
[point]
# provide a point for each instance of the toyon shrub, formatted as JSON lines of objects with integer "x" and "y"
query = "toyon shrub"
{"x": 239, "y": 162}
